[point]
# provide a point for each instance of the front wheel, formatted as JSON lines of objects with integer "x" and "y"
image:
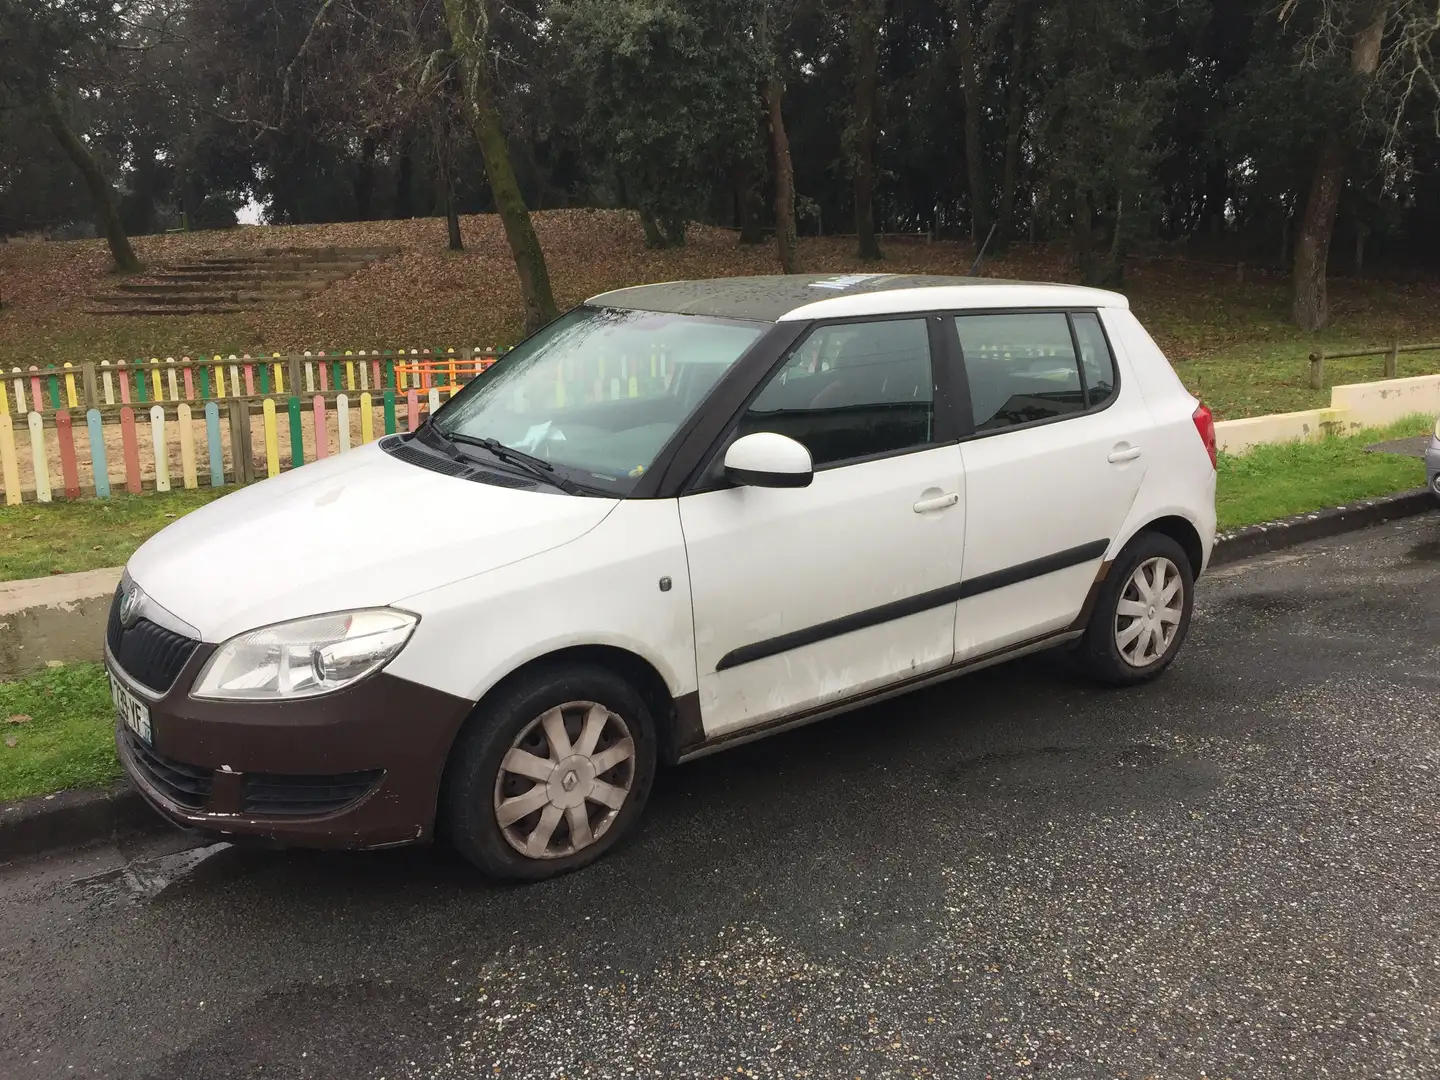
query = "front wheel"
{"x": 1142, "y": 614}
{"x": 551, "y": 774}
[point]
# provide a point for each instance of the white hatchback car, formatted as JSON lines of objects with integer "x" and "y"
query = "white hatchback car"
{"x": 680, "y": 517}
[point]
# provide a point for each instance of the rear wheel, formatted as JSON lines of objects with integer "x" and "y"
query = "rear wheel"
{"x": 550, "y": 774}
{"x": 1142, "y": 614}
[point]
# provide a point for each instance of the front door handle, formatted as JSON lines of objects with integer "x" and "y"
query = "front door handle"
{"x": 1124, "y": 453}
{"x": 940, "y": 502}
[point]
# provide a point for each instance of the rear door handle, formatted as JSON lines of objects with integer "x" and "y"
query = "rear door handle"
{"x": 1124, "y": 453}
{"x": 940, "y": 502}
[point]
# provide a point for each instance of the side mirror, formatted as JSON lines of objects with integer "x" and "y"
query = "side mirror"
{"x": 766, "y": 459}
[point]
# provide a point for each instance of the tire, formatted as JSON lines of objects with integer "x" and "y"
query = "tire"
{"x": 1104, "y": 653}
{"x": 486, "y": 788}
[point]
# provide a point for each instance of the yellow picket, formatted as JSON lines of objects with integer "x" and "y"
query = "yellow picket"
{"x": 41, "y": 459}
{"x": 109, "y": 383}
{"x": 9, "y": 462}
{"x": 174, "y": 386}
{"x": 219, "y": 370}
{"x": 70, "y": 385}
{"x": 279, "y": 375}
{"x": 187, "y": 446}
{"x": 155, "y": 379}
{"x": 161, "y": 445}
{"x": 309, "y": 374}
{"x": 367, "y": 419}
{"x": 349, "y": 372}
{"x": 272, "y": 439}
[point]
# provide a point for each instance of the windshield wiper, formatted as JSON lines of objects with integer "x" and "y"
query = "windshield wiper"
{"x": 536, "y": 467}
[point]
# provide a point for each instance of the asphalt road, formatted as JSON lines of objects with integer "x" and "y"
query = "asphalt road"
{"x": 1232, "y": 873}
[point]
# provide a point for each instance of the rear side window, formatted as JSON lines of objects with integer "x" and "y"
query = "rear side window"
{"x": 852, "y": 390}
{"x": 1023, "y": 368}
{"x": 1095, "y": 359}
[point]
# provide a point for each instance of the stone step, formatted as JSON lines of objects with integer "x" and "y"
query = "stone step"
{"x": 243, "y": 277}
{"x": 187, "y": 299}
{"x": 261, "y": 285}
{"x": 269, "y": 265}
{"x": 169, "y": 312}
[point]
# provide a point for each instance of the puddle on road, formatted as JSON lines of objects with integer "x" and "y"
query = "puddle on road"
{"x": 145, "y": 879}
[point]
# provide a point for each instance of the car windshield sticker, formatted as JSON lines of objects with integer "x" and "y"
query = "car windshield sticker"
{"x": 846, "y": 280}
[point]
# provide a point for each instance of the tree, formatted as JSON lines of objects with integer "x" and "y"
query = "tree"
{"x": 43, "y": 42}
{"x": 866, "y": 18}
{"x": 666, "y": 92}
{"x": 469, "y": 24}
{"x": 773, "y": 95}
{"x": 1382, "y": 51}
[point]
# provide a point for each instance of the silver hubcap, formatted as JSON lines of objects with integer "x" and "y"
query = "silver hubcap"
{"x": 1148, "y": 615}
{"x": 564, "y": 780}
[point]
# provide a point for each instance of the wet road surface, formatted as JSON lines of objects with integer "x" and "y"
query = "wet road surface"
{"x": 1234, "y": 872}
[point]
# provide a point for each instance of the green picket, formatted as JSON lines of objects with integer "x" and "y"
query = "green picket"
{"x": 297, "y": 434}
{"x": 389, "y": 412}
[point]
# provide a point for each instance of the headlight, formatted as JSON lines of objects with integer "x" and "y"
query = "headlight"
{"x": 306, "y": 657}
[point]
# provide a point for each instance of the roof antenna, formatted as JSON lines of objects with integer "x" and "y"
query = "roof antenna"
{"x": 981, "y": 254}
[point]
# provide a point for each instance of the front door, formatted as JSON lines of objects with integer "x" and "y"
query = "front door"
{"x": 804, "y": 597}
{"x": 1054, "y": 465}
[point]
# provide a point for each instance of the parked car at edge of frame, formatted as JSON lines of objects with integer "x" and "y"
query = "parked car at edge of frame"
{"x": 1432, "y": 461}
{"x": 680, "y": 517}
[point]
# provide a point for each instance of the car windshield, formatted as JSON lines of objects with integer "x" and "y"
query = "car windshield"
{"x": 599, "y": 392}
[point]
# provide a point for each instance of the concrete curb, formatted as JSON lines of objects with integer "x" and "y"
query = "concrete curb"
{"x": 73, "y": 818}
{"x": 1255, "y": 540}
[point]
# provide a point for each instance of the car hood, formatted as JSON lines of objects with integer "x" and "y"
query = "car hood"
{"x": 357, "y": 530}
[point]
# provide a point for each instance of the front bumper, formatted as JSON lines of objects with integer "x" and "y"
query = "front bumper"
{"x": 360, "y": 768}
{"x": 1432, "y": 466}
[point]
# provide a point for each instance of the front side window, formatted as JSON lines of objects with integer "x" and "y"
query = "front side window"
{"x": 1021, "y": 368}
{"x": 599, "y": 392}
{"x": 852, "y": 390}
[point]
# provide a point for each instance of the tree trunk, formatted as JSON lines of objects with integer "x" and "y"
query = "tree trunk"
{"x": 404, "y": 176}
{"x": 785, "y": 239}
{"x": 974, "y": 163}
{"x": 1082, "y": 238}
{"x": 654, "y": 238}
{"x": 452, "y": 216}
{"x": 747, "y": 204}
{"x": 1311, "y": 302}
{"x": 1014, "y": 124}
{"x": 867, "y": 61}
{"x": 126, "y": 261}
{"x": 365, "y": 178}
{"x": 468, "y": 22}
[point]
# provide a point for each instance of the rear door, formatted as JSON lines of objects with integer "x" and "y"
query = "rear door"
{"x": 804, "y": 597}
{"x": 1055, "y": 461}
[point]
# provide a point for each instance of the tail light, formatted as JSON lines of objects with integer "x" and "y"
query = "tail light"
{"x": 1205, "y": 425}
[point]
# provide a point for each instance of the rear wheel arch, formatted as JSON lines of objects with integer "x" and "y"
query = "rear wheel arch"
{"x": 1183, "y": 532}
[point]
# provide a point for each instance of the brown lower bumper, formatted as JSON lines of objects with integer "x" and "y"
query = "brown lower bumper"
{"x": 356, "y": 769}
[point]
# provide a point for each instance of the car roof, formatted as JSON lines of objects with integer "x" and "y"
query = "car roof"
{"x": 783, "y": 298}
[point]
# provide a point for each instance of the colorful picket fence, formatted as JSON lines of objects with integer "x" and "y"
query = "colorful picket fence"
{"x": 180, "y": 417}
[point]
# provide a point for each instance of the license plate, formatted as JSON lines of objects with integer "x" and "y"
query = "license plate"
{"x": 134, "y": 713}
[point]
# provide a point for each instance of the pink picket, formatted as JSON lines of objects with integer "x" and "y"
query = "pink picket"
{"x": 322, "y": 434}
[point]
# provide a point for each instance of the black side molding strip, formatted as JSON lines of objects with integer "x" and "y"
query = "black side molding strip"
{"x": 913, "y": 605}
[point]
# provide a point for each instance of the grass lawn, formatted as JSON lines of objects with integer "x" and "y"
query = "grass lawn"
{"x": 57, "y": 731}
{"x": 1271, "y": 482}
{"x": 68, "y": 739}
{"x": 37, "y": 540}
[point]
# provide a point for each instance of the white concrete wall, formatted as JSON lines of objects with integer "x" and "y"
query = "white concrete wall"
{"x": 1352, "y": 407}
{"x": 1390, "y": 400}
